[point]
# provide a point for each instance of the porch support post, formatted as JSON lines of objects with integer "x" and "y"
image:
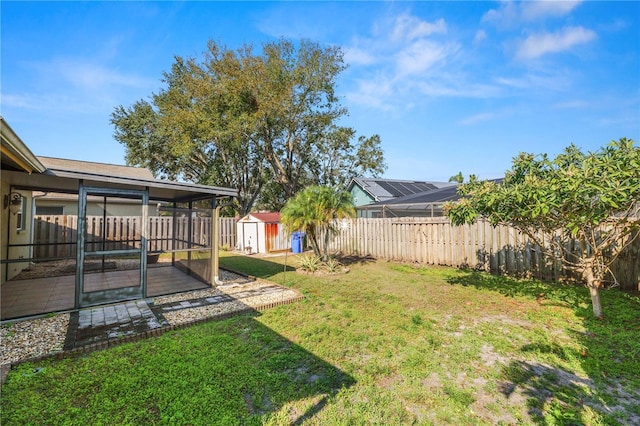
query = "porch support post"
{"x": 215, "y": 236}
{"x": 82, "y": 224}
{"x": 144, "y": 231}
{"x": 174, "y": 227}
{"x": 189, "y": 236}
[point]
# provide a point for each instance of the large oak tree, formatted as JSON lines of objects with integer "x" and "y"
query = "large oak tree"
{"x": 264, "y": 123}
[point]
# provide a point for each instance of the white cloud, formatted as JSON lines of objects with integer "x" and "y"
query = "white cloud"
{"x": 478, "y": 118}
{"x": 511, "y": 14}
{"x": 358, "y": 56}
{"x": 403, "y": 57}
{"x": 533, "y": 10}
{"x": 554, "y": 81}
{"x": 409, "y": 28}
{"x": 480, "y": 36}
{"x": 373, "y": 93}
{"x": 91, "y": 76}
{"x": 571, "y": 104}
{"x": 76, "y": 86}
{"x": 537, "y": 45}
{"x": 59, "y": 103}
{"x": 422, "y": 55}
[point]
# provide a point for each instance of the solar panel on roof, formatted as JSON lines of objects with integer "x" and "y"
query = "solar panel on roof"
{"x": 400, "y": 189}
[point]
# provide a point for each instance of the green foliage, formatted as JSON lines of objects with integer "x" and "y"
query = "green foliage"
{"x": 457, "y": 178}
{"x": 264, "y": 123}
{"x": 333, "y": 264}
{"x": 591, "y": 197}
{"x": 309, "y": 262}
{"x": 314, "y": 211}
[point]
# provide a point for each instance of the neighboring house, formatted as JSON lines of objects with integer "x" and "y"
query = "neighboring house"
{"x": 367, "y": 191}
{"x": 16, "y": 203}
{"x": 261, "y": 233}
{"x": 422, "y": 204}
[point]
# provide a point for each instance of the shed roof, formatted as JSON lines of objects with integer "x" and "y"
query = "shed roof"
{"x": 266, "y": 217}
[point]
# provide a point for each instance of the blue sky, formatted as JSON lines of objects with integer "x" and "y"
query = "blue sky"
{"x": 449, "y": 86}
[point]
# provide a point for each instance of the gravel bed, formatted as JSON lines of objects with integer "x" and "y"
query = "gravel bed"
{"x": 32, "y": 338}
{"x": 184, "y": 316}
{"x": 258, "y": 300}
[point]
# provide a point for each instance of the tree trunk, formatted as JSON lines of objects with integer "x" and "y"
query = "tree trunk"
{"x": 593, "y": 284}
{"x": 595, "y": 301}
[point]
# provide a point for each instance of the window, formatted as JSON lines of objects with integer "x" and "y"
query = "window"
{"x": 50, "y": 210}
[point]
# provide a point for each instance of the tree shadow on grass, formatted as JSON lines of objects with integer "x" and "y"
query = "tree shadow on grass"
{"x": 236, "y": 371}
{"x": 608, "y": 353}
{"x": 551, "y": 293}
{"x": 348, "y": 260}
{"x": 254, "y": 266}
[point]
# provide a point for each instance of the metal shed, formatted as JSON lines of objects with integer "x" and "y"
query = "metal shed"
{"x": 262, "y": 233}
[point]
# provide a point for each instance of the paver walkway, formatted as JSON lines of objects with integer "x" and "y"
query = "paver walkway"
{"x": 104, "y": 323}
{"x": 101, "y": 323}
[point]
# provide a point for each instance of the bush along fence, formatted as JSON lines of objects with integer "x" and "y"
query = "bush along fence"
{"x": 480, "y": 246}
{"x": 56, "y": 236}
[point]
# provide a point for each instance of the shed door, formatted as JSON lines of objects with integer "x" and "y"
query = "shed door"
{"x": 250, "y": 236}
{"x": 271, "y": 237}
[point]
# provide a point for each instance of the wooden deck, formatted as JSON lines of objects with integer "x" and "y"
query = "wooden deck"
{"x": 22, "y": 298}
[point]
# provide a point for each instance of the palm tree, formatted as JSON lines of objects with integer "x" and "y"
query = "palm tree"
{"x": 313, "y": 211}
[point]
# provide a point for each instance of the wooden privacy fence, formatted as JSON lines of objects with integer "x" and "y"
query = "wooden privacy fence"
{"x": 422, "y": 240}
{"x": 56, "y": 236}
{"x": 435, "y": 241}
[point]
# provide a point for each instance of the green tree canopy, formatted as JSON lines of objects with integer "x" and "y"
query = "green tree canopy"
{"x": 457, "y": 178}
{"x": 313, "y": 211}
{"x": 590, "y": 197}
{"x": 250, "y": 121}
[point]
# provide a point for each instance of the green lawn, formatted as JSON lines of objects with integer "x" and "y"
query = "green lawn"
{"x": 384, "y": 344}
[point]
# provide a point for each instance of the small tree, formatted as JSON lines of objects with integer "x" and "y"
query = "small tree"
{"x": 313, "y": 211}
{"x": 592, "y": 198}
{"x": 457, "y": 178}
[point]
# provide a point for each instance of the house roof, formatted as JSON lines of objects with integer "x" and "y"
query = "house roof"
{"x": 419, "y": 200}
{"x": 388, "y": 189}
{"x": 63, "y": 175}
{"x": 96, "y": 168}
{"x": 434, "y": 196}
{"x": 266, "y": 217}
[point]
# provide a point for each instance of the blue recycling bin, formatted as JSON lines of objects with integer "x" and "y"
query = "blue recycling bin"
{"x": 297, "y": 242}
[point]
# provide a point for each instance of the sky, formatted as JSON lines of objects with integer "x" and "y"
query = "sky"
{"x": 449, "y": 86}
